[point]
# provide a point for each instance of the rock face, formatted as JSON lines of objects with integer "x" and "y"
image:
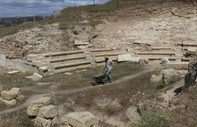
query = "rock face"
{"x": 48, "y": 112}
{"x": 80, "y": 119}
{"x": 35, "y": 105}
{"x": 171, "y": 74}
{"x": 191, "y": 75}
{"x": 132, "y": 115}
{"x": 12, "y": 94}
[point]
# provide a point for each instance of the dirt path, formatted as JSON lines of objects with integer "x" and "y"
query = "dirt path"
{"x": 29, "y": 99}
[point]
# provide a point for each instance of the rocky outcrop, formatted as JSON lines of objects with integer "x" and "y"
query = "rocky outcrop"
{"x": 80, "y": 119}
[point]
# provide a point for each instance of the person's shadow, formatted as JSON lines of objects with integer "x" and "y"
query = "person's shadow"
{"x": 178, "y": 90}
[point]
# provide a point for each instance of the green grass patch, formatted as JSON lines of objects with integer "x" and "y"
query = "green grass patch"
{"x": 120, "y": 70}
{"x": 110, "y": 110}
{"x": 153, "y": 118}
{"x": 15, "y": 80}
{"x": 156, "y": 85}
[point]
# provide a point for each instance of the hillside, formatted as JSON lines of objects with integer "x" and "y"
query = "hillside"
{"x": 10, "y": 21}
{"x": 105, "y": 25}
{"x": 151, "y": 43}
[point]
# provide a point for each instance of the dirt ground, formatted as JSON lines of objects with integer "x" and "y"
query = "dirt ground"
{"x": 108, "y": 102}
{"x": 158, "y": 24}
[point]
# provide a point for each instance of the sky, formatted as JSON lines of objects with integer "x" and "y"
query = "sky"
{"x": 13, "y": 8}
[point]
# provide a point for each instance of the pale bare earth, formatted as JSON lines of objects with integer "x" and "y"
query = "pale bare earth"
{"x": 165, "y": 28}
{"x": 142, "y": 24}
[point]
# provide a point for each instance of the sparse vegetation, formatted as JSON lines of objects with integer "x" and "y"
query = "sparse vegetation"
{"x": 156, "y": 85}
{"x": 71, "y": 14}
{"x": 153, "y": 118}
{"x": 110, "y": 110}
{"x": 15, "y": 80}
{"x": 120, "y": 70}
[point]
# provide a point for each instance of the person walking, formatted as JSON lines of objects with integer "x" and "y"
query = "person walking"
{"x": 108, "y": 68}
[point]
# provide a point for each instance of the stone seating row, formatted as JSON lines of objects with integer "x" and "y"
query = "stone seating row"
{"x": 71, "y": 60}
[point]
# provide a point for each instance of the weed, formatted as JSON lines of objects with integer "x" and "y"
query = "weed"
{"x": 110, "y": 110}
{"x": 191, "y": 97}
{"x": 16, "y": 80}
{"x": 153, "y": 118}
{"x": 173, "y": 80}
{"x": 156, "y": 85}
{"x": 54, "y": 125}
{"x": 25, "y": 121}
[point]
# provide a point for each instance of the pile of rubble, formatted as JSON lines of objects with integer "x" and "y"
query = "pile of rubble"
{"x": 42, "y": 111}
{"x": 44, "y": 114}
{"x": 10, "y": 98}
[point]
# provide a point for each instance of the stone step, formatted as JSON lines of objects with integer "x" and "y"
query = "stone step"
{"x": 100, "y": 60}
{"x": 156, "y": 53}
{"x": 40, "y": 63}
{"x": 33, "y": 57}
{"x": 71, "y": 66}
{"x": 67, "y": 59}
{"x": 177, "y": 65}
{"x": 187, "y": 44}
{"x": 62, "y": 53}
{"x": 185, "y": 59}
{"x": 101, "y": 50}
{"x": 160, "y": 58}
{"x": 168, "y": 48}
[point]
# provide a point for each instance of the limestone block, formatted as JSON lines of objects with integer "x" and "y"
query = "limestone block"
{"x": 80, "y": 42}
{"x": 13, "y": 72}
{"x": 133, "y": 115}
{"x": 80, "y": 119}
{"x": 8, "y": 103}
{"x": 41, "y": 122}
{"x": 2, "y": 60}
{"x": 20, "y": 98}
{"x": 191, "y": 50}
{"x": 55, "y": 121}
{"x": 12, "y": 94}
{"x": 164, "y": 61}
{"x": 168, "y": 74}
{"x": 36, "y": 77}
{"x": 48, "y": 112}
{"x": 33, "y": 108}
{"x": 127, "y": 57}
